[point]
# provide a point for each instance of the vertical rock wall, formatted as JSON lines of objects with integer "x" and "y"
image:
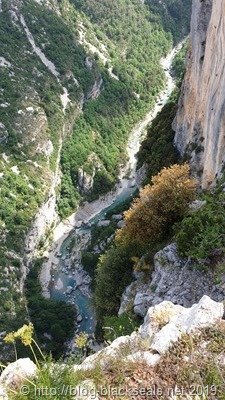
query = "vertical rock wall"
{"x": 200, "y": 121}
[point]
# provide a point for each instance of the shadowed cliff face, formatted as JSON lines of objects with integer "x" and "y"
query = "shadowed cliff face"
{"x": 200, "y": 121}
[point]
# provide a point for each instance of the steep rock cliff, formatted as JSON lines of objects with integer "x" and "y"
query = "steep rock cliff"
{"x": 200, "y": 121}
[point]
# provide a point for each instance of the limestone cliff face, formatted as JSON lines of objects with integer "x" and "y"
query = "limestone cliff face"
{"x": 200, "y": 121}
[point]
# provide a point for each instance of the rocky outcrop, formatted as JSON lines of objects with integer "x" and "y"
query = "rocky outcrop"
{"x": 173, "y": 279}
{"x": 95, "y": 90}
{"x": 200, "y": 121}
{"x": 163, "y": 326}
{"x": 85, "y": 180}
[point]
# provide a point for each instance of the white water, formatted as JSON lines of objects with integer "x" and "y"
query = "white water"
{"x": 90, "y": 210}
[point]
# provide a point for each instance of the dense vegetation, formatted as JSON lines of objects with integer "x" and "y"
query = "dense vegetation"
{"x": 115, "y": 327}
{"x": 173, "y": 15}
{"x": 179, "y": 62}
{"x": 201, "y": 234}
{"x": 133, "y": 51}
{"x": 114, "y": 273}
{"x": 160, "y": 205}
{"x": 54, "y": 321}
{"x": 157, "y": 150}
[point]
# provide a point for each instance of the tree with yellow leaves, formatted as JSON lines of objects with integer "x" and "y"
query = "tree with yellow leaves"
{"x": 160, "y": 205}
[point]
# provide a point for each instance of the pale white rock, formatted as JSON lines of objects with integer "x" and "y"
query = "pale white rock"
{"x": 121, "y": 224}
{"x": 157, "y": 316}
{"x": 17, "y": 373}
{"x": 86, "y": 390}
{"x": 104, "y": 223}
{"x": 4, "y": 62}
{"x": 49, "y": 64}
{"x": 65, "y": 100}
{"x": 95, "y": 90}
{"x": 123, "y": 345}
{"x": 88, "y": 62}
{"x": 15, "y": 169}
{"x": 46, "y": 148}
{"x": 206, "y": 313}
{"x": 3, "y": 393}
{"x": 30, "y": 109}
{"x": 143, "y": 356}
{"x": 199, "y": 124}
{"x": 5, "y": 157}
{"x": 196, "y": 205}
{"x": 117, "y": 217}
{"x": 128, "y": 299}
{"x": 85, "y": 180}
{"x": 168, "y": 335}
{"x": 79, "y": 318}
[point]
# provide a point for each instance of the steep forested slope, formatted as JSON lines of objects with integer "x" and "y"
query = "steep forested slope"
{"x": 32, "y": 127}
{"x": 173, "y": 15}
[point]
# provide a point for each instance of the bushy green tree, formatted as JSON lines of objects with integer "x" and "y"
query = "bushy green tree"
{"x": 202, "y": 232}
{"x": 114, "y": 272}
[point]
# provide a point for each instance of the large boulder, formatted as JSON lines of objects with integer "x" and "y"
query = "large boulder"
{"x": 15, "y": 374}
{"x": 104, "y": 223}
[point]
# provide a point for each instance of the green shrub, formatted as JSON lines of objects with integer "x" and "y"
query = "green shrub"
{"x": 115, "y": 327}
{"x": 201, "y": 232}
{"x": 114, "y": 273}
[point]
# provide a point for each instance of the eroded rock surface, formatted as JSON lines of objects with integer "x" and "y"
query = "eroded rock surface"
{"x": 173, "y": 279}
{"x": 163, "y": 325}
